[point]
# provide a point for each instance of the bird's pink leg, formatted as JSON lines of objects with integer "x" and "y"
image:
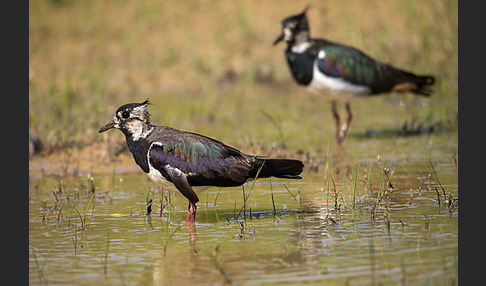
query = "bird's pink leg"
{"x": 191, "y": 215}
{"x": 344, "y": 128}
{"x": 191, "y": 222}
{"x": 337, "y": 120}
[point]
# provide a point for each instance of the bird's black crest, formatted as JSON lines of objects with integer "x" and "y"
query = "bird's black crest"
{"x": 300, "y": 19}
{"x": 131, "y": 106}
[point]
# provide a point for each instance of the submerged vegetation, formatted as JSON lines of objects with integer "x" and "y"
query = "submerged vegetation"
{"x": 376, "y": 209}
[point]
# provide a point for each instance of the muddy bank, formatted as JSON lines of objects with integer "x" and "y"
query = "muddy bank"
{"x": 76, "y": 161}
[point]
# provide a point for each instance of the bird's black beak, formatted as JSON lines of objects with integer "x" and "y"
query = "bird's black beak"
{"x": 110, "y": 125}
{"x": 278, "y": 39}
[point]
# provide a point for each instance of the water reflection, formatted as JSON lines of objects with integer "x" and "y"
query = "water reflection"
{"x": 309, "y": 237}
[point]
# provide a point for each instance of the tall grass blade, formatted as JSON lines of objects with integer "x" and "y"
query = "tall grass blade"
{"x": 273, "y": 199}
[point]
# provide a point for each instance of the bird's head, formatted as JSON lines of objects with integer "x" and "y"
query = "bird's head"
{"x": 133, "y": 119}
{"x": 293, "y": 26}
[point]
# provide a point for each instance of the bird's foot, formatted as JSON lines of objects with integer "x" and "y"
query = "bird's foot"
{"x": 191, "y": 214}
{"x": 341, "y": 133}
{"x": 191, "y": 221}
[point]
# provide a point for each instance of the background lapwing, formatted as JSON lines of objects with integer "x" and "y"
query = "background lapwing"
{"x": 337, "y": 69}
{"x": 188, "y": 160}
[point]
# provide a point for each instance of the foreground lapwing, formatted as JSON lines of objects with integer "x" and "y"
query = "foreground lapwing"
{"x": 188, "y": 160}
{"x": 339, "y": 70}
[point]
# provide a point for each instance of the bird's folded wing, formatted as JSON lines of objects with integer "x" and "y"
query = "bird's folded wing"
{"x": 347, "y": 63}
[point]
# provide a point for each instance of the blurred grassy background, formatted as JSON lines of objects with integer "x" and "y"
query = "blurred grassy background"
{"x": 209, "y": 67}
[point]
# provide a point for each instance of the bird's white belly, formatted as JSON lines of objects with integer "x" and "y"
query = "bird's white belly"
{"x": 157, "y": 178}
{"x": 337, "y": 86}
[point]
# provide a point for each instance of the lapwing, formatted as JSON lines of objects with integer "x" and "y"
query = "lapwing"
{"x": 186, "y": 160}
{"x": 340, "y": 70}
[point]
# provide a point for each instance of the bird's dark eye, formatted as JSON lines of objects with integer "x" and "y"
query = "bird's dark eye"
{"x": 125, "y": 114}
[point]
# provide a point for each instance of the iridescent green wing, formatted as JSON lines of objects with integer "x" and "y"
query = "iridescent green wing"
{"x": 203, "y": 160}
{"x": 348, "y": 64}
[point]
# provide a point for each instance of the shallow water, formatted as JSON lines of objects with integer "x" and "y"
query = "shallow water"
{"x": 308, "y": 238}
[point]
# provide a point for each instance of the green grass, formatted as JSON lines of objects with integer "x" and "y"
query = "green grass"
{"x": 39, "y": 266}
{"x": 246, "y": 197}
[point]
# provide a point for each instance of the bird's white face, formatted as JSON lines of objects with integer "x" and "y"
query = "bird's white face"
{"x": 289, "y": 31}
{"x": 290, "y": 28}
{"x": 137, "y": 129}
{"x": 116, "y": 122}
{"x": 288, "y": 34}
{"x": 133, "y": 120}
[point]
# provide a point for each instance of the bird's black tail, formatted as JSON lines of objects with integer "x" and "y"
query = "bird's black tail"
{"x": 279, "y": 168}
{"x": 417, "y": 84}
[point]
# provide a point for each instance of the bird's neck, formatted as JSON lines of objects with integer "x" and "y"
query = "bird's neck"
{"x": 138, "y": 130}
{"x": 300, "y": 43}
{"x": 139, "y": 149}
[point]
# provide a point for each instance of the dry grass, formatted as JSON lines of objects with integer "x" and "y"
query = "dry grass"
{"x": 209, "y": 66}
